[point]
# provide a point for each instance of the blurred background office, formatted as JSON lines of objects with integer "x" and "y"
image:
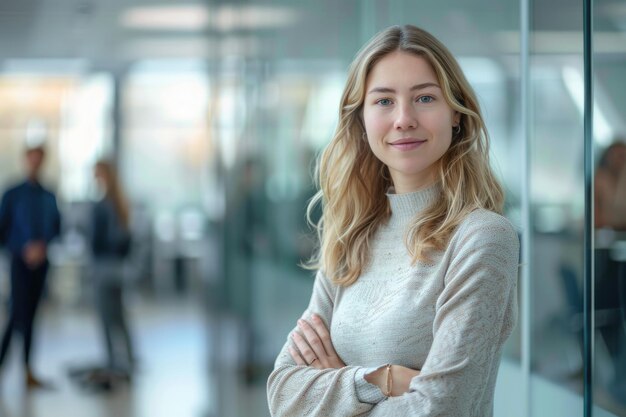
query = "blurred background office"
{"x": 213, "y": 112}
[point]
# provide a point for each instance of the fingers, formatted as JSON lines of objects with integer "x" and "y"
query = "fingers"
{"x": 296, "y": 357}
{"x": 324, "y": 335}
{"x": 312, "y": 345}
{"x": 313, "y": 340}
{"x": 307, "y": 354}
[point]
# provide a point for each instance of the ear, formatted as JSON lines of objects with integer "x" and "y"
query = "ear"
{"x": 456, "y": 118}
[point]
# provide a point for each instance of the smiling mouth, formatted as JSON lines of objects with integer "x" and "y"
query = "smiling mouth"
{"x": 407, "y": 144}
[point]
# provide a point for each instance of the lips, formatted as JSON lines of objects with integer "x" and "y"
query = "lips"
{"x": 407, "y": 144}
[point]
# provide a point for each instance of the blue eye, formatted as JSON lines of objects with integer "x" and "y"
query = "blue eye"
{"x": 384, "y": 102}
{"x": 426, "y": 99}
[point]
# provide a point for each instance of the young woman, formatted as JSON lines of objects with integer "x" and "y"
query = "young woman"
{"x": 110, "y": 244}
{"x": 415, "y": 292}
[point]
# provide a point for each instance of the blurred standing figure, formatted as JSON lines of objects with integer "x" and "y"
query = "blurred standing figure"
{"x": 110, "y": 244}
{"x": 29, "y": 220}
{"x": 610, "y": 267}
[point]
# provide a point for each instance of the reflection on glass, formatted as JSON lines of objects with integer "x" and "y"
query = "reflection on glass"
{"x": 609, "y": 67}
{"x": 610, "y": 277}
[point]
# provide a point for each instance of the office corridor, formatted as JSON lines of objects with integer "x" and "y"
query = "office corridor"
{"x": 175, "y": 375}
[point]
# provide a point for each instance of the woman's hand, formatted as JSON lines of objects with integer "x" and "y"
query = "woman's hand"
{"x": 314, "y": 347}
{"x": 400, "y": 379}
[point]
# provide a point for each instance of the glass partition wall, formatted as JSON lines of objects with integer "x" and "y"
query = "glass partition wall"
{"x": 556, "y": 210}
{"x": 216, "y": 126}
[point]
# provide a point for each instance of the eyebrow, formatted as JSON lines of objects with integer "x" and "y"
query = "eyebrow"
{"x": 391, "y": 90}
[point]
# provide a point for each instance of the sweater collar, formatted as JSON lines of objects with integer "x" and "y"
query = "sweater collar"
{"x": 404, "y": 207}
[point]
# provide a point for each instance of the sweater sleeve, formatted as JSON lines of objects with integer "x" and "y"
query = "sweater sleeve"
{"x": 295, "y": 391}
{"x": 475, "y": 313}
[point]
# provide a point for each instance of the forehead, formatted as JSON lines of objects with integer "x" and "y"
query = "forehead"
{"x": 400, "y": 68}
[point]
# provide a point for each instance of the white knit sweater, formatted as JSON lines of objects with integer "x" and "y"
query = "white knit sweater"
{"x": 448, "y": 318}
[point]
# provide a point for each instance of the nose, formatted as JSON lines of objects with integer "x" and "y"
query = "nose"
{"x": 406, "y": 118}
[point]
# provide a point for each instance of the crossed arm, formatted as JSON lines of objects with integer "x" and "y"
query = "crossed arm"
{"x": 314, "y": 348}
{"x": 303, "y": 385}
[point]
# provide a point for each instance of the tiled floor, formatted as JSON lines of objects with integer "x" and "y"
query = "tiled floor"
{"x": 176, "y": 377}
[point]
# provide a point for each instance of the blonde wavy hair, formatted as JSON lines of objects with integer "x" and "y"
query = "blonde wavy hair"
{"x": 114, "y": 190}
{"x": 353, "y": 183}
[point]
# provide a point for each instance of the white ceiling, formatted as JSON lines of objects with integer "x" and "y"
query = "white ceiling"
{"x": 95, "y": 30}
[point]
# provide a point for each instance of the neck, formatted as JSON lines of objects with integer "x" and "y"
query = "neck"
{"x": 405, "y": 206}
{"x": 404, "y": 187}
{"x": 403, "y": 184}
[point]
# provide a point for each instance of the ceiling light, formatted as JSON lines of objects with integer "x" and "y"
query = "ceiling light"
{"x": 253, "y": 17}
{"x": 180, "y": 17}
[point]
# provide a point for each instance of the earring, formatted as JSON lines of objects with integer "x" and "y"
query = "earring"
{"x": 364, "y": 136}
{"x": 456, "y": 129}
{"x": 384, "y": 172}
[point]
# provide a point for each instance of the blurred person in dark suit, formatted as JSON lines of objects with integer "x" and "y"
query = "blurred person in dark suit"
{"x": 110, "y": 245}
{"x": 29, "y": 220}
